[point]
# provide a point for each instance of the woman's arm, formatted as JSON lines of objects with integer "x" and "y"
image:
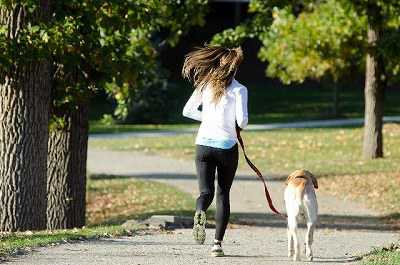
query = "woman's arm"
{"x": 241, "y": 107}
{"x": 191, "y": 109}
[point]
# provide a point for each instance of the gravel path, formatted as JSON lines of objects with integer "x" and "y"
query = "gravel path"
{"x": 346, "y": 229}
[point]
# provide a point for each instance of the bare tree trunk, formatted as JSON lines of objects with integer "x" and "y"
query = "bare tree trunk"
{"x": 374, "y": 88}
{"x": 24, "y": 114}
{"x": 66, "y": 182}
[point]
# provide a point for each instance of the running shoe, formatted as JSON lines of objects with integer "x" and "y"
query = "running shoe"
{"x": 216, "y": 250}
{"x": 199, "y": 227}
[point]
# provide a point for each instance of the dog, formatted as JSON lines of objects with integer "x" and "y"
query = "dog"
{"x": 300, "y": 198}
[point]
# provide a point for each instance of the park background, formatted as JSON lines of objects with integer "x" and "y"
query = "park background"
{"x": 142, "y": 91}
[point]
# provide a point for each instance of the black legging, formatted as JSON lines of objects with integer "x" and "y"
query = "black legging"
{"x": 225, "y": 161}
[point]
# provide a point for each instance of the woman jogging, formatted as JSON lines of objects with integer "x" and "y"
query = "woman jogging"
{"x": 223, "y": 102}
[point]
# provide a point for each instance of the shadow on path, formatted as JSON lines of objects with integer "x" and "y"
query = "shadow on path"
{"x": 326, "y": 221}
{"x": 338, "y": 222}
{"x": 261, "y": 219}
{"x": 176, "y": 176}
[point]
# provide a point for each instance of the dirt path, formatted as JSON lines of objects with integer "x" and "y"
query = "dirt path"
{"x": 346, "y": 229}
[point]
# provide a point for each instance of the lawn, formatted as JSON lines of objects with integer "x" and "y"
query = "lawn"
{"x": 115, "y": 200}
{"x": 269, "y": 102}
{"x": 332, "y": 154}
{"x": 384, "y": 256}
{"x": 99, "y": 128}
{"x": 327, "y": 151}
{"x": 110, "y": 202}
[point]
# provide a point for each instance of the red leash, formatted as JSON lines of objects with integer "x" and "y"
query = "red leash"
{"x": 260, "y": 176}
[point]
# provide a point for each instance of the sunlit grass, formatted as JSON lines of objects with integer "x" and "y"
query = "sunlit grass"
{"x": 11, "y": 242}
{"x": 327, "y": 151}
{"x": 383, "y": 256}
{"x": 113, "y": 201}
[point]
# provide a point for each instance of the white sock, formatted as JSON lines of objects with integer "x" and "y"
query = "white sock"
{"x": 217, "y": 242}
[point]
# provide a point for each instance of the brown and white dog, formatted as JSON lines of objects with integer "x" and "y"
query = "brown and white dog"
{"x": 300, "y": 196}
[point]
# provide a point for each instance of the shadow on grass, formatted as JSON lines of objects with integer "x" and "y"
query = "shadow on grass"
{"x": 176, "y": 176}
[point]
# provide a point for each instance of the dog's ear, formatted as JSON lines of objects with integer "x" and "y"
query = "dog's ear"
{"x": 287, "y": 180}
{"x": 313, "y": 179}
{"x": 294, "y": 175}
{"x": 290, "y": 177}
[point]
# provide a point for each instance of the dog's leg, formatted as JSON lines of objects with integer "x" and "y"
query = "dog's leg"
{"x": 311, "y": 206}
{"x": 292, "y": 227}
{"x": 292, "y": 209}
{"x": 309, "y": 240}
{"x": 290, "y": 243}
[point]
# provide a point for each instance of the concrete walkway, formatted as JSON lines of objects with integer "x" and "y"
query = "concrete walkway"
{"x": 346, "y": 229}
{"x": 251, "y": 127}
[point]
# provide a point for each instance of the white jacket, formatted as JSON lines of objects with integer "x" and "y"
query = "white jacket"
{"x": 218, "y": 120}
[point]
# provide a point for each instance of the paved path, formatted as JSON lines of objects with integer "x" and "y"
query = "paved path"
{"x": 252, "y": 127}
{"x": 346, "y": 229}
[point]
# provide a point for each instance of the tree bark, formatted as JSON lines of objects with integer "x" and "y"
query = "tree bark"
{"x": 374, "y": 88}
{"x": 24, "y": 114}
{"x": 66, "y": 182}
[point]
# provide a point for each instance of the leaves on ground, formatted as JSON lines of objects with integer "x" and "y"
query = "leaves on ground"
{"x": 116, "y": 200}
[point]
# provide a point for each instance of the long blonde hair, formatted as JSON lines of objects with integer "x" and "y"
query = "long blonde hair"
{"x": 212, "y": 65}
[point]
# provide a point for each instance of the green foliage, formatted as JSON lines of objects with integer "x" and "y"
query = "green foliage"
{"x": 137, "y": 80}
{"x": 259, "y": 23}
{"x": 310, "y": 39}
{"x": 390, "y": 44}
{"x": 96, "y": 44}
{"x": 325, "y": 39}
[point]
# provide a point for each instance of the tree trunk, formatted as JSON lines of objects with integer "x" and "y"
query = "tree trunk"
{"x": 374, "y": 88}
{"x": 24, "y": 114}
{"x": 66, "y": 182}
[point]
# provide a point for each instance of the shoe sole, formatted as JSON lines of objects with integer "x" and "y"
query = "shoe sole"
{"x": 217, "y": 254}
{"x": 199, "y": 228}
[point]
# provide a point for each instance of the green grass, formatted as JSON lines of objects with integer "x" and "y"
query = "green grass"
{"x": 288, "y": 104}
{"x": 110, "y": 202}
{"x": 328, "y": 151}
{"x": 98, "y": 128}
{"x": 115, "y": 200}
{"x": 272, "y": 102}
{"x": 383, "y": 256}
{"x": 11, "y": 242}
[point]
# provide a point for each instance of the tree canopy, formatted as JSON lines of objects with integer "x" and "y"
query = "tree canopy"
{"x": 310, "y": 39}
{"x": 322, "y": 40}
{"x": 100, "y": 44}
